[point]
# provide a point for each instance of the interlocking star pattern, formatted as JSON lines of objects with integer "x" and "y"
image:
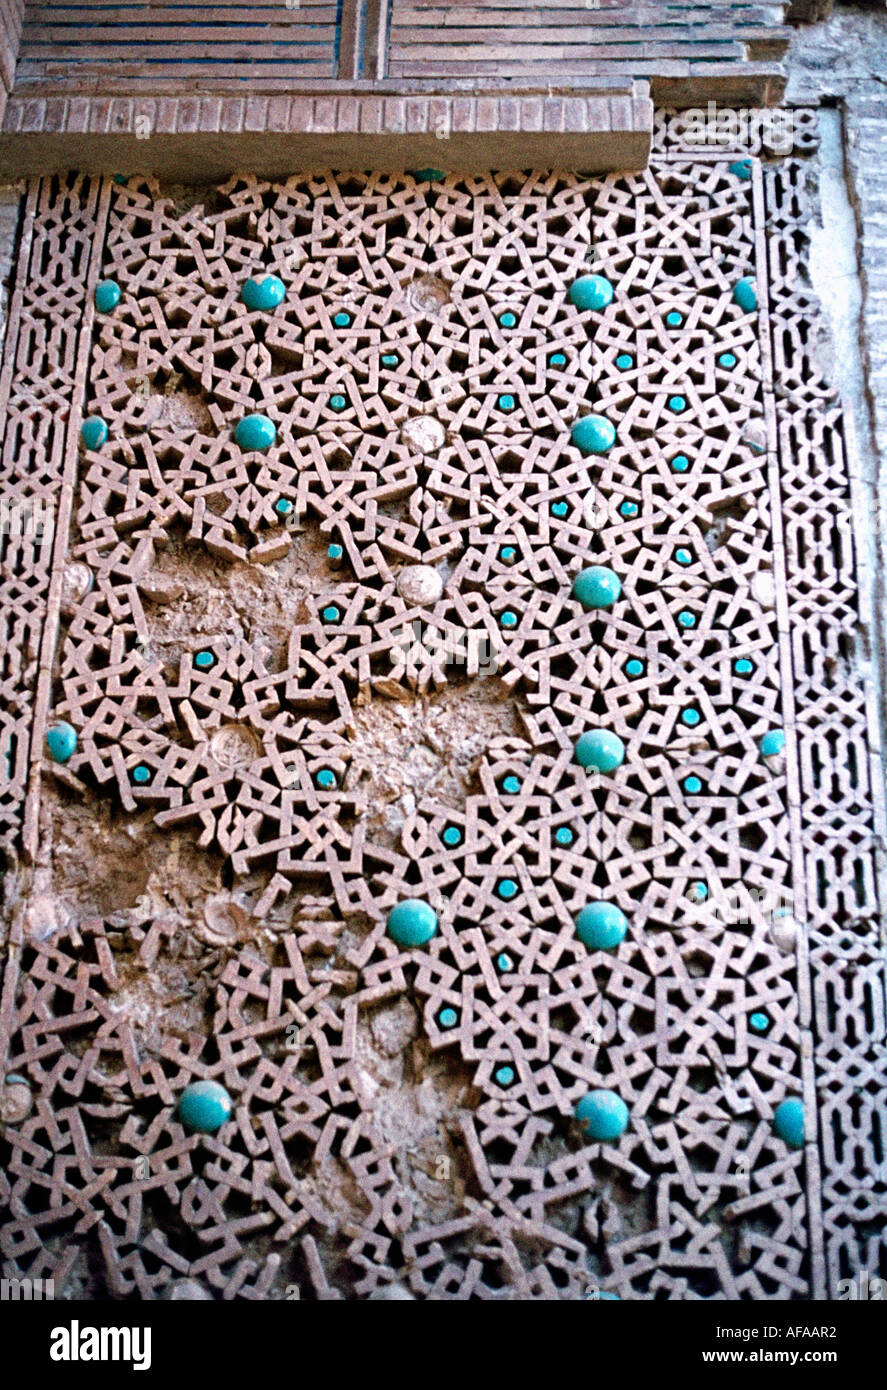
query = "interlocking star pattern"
{"x": 372, "y": 1146}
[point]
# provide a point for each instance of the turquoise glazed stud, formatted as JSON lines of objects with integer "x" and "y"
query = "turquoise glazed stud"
{"x": 727, "y": 360}
{"x": 624, "y": 361}
{"x": 683, "y": 557}
{"x": 745, "y": 294}
{"x": 692, "y": 786}
{"x": 331, "y": 614}
{"x": 508, "y": 554}
{"x": 601, "y": 926}
{"x": 564, "y": 836}
{"x": 334, "y": 552}
{"x": 93, "y": 432}
{"x": 597, "y": 587}
{"x": 698, "y": 892}
{"x": 452, "y": 835}
{"x": 504, "y": 1076}
{"x": 448, "y": 1018}
{"x": 337, "y": 403}
{"x": 674, "y": 319}
{"x": 557, "y": 359}
{"x": 686, "y": 618}
{"x": 283, "y": 506}
{"x": 591, "y": 292}
{"x": 634, "y": 667}
{"x": 390, "y": 359}
{"x": 759, "y": 1022}
{"x": 264, "y": 294}
{"x": 428, "y": 175}
{"x": 772, "y": 743}
{"x": 691, "y": 717}
{"x": 508, "y": 618}
{"x": 593, "y": 434}
{"x": 203, "y": 660}
{"x": 61, "y": 742}
{"x": 508, "y": 319}
{"x": 676, "y": 404}
{"x": 504, "y": 963}
{"x": 341, "y": 320}
{"x": 741, "y": 168}
{"x": 204, "y": 1106}
{"x": 141, "y": 774}
{"x": 107, "y": 296}
{"x": 506, "y": 402}
{"x": 628, "y": 509}
{"x": 511, "y": 785}
{"x": 600, "y": 750}
{"x": 680, "y": 463}
{"x": 559, "y": 508}
{"x": 603, "y": 1115}
{"x": 412, "y": 923}
{"x": 326, "y": 779}
{"x": 743, "y": 667}
{"x": 255, "y": 433}
{"x": 506, "y": 888}
{"x": 788, "y": 1122}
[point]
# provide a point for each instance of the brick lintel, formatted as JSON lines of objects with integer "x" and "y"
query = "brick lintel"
{"x": 212, "y": 136}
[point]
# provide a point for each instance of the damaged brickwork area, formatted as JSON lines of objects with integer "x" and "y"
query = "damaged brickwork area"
{"x": 295, "y": 506}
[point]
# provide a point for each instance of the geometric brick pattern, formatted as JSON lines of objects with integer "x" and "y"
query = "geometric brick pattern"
{"x": 371, "y": 1145}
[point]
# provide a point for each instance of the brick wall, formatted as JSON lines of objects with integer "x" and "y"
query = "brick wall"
{"x": 11, "y": 16}
{"x": 687, "y": 48}
{"x": 667, "y": 43}
{"x": 147, "y": 42}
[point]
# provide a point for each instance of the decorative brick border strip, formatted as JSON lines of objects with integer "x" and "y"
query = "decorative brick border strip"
{"x": 38, "y": 463}
{"x": 780, "y": 471}
{"x": 837, "y": 807}
{"x": 209, "y": 136}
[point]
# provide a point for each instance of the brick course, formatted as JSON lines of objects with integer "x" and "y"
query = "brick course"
{"x": 590, "y": 132}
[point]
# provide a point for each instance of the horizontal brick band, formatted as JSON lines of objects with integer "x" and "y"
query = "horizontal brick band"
{"x": 276, "y": 133}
